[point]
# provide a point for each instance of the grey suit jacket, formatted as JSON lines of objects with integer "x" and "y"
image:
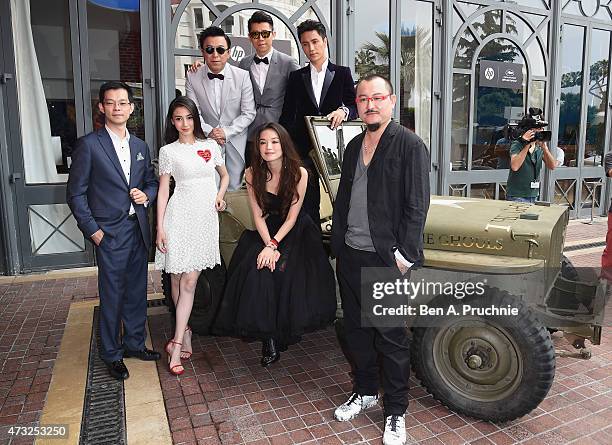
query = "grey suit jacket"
{"x": 237, "y": 105}
{"x": 269, "y": 105}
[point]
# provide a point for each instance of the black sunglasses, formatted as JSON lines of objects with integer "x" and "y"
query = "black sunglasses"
{"x": 211, "y": 49}
{"x": 263, "y": 34}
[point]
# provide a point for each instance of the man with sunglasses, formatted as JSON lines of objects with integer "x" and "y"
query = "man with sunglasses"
{"x": 379, "y": 217}
{"x": 224, "y": 96}
{"x": 269, "y": 70}
{"x": 319, "y": 89}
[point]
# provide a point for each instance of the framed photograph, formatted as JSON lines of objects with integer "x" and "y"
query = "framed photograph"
{"x": 329, "y": 146}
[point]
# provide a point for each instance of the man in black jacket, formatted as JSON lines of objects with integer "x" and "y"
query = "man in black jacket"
{"x": 379, "y": 216}
{"x": 319, "y": 89}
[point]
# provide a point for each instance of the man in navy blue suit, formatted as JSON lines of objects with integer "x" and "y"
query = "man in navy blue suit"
{"x": 111, "y": 183}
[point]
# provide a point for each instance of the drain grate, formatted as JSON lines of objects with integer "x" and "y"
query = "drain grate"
{"x": 104, "y": 407}
{"x": 158, "y": 302}
{"x": 584, "y": 246}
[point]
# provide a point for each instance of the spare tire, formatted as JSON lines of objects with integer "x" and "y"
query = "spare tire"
{"x": 489, "y": 367}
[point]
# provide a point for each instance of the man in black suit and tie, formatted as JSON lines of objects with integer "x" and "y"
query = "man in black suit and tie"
{"x": 111, "y": 183}
{"x": 319, "y": 89}
{"x": 269, "y": 70}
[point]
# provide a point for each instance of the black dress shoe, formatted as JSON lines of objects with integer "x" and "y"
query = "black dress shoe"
{"x": 146, "y": 354}
{"x": 118, "y": 370}
{"x": 269, "y": 352}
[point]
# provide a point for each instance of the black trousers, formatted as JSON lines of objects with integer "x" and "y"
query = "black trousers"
{"x": 312, "y": 196}
{"x": 366, "y": 345}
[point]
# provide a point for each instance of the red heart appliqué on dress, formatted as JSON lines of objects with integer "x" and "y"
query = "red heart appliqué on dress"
{"x": 204, "y": 154}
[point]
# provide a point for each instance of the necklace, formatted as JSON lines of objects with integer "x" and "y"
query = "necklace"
{"x": 368, "y": 150}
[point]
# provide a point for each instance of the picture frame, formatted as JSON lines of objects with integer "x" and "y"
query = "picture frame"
{"x": 329, "y": 146}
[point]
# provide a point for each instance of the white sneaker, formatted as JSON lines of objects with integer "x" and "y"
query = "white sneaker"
{"x": 395, "y": 430}
{"x": 353, "y": 406}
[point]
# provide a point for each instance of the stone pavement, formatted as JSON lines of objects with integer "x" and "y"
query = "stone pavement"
{"x": 226, "y": 397}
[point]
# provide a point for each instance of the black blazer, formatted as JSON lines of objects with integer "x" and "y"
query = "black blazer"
{"x": 338, "y": 90}
{"x": 398, "y": 194}
{"x": 97, "y": 191}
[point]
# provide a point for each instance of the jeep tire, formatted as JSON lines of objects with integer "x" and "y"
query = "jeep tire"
{"x": 494, "y": 368}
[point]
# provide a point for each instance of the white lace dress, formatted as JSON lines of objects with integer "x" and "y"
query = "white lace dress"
{"x": 191, "y": 221}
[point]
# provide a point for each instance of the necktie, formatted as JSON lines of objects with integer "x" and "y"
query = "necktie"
{"x": 212, "y": 76}
{"x": 257, "y": 60}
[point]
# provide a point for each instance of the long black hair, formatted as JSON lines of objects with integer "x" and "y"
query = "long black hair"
{"x": 171, "y": 134}
{"x": 290, "y": 171}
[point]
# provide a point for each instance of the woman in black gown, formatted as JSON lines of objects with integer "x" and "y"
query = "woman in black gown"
{"x": 280, "y": 284}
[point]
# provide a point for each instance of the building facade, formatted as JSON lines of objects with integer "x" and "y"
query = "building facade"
{"x": 442, "y": 57}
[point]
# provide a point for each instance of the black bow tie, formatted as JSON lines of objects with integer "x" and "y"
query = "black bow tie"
{"x": 258, "y": 60}
{"x": 212, "y": 76}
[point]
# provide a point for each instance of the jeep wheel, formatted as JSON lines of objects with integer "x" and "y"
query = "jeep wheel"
{"x": 493, "y": 368}
{"x": 208, "y": 294}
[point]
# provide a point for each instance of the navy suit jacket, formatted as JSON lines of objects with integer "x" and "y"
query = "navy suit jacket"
{"x": 338, "y": 90}
{"x": 97, "y": 191}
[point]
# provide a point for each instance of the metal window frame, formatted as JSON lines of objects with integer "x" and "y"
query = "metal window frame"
{"x": 450, "y": 42}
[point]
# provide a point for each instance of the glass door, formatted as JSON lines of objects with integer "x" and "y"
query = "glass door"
{"x": 584, "y": 126}
{"x": 64, "y": 50}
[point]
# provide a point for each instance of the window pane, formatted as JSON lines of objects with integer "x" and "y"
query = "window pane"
{"x": 603, "y": 13}
{"x": 537, "y": 94}
{"x": 597, "y": 97}
{"x": 565, "y": 193}
{"x": 460, "y": 113}
{"x": 53, "y": 229}
{"x": 115, "y": 54}
{"x": 534, "y": 3}
{"x": 484, "y": 191}
{"x": 45, "y": 82}
{"x": 536, "y": 58}
{"x": 571, "y": 81}
{"x": 284, "y": 41}
{"x": 371, "y": 40}
{"x": 488, "y": 23}
{"x": 495, "y": 108}
{"x": 416, "y": 64}
{"x": 187, "y": 31}
{"x": 465, "y": 50}
{"x": 572, "y": 7}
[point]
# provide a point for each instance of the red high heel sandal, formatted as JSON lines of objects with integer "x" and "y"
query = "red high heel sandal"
{"x": 172, "y": 369}
{"x": 188, "y": 354}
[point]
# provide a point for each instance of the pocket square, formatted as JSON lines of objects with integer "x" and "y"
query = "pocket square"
{"x": 139, "y": 157}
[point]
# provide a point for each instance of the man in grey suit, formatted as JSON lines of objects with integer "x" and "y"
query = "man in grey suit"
{"x": 269, "y": 70}
{"x": 224, "y": 96}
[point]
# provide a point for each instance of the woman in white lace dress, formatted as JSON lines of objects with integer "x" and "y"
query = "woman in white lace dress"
{"x": 187, "y": 224}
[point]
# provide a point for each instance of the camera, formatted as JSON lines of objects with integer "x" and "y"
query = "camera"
{"x": 543, "y": 136}
{"x": 533, "y": 119}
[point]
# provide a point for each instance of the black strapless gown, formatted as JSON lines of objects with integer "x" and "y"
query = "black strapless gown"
{"x": 298, "y": 297}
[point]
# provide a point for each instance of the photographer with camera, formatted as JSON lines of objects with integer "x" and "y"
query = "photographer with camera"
{"x": 526, "y": 155}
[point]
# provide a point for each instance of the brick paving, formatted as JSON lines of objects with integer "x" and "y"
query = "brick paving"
{"x": 226, "y": 397}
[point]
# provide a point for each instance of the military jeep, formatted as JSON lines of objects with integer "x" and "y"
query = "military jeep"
{"x": 481, "y": 366}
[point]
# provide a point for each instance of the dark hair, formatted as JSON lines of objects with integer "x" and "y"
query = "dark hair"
{"x": 115, "y": 85}
{"x": 171, "y": 134}
{"x": 213, "y": 31}
{"x": 260, "y": 17}
{"x": 311, "y": 25}
{"x": 371, "y": 77}
{"x": 290, "y": 171}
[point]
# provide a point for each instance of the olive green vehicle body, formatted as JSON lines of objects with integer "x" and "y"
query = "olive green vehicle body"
{"x": 479, "y": 367}
{"x": 518, "y": 246}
